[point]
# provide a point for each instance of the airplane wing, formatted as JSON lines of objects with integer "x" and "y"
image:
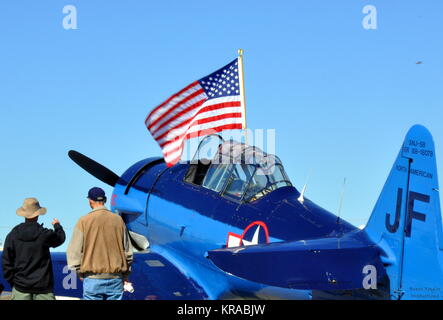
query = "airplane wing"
{"x": 153, "y": 277}
{"x": 318, "y": 264}
{"x": 5, "y": 289}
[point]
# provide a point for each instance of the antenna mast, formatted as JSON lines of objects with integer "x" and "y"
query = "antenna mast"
{"x": 341, "y": 200}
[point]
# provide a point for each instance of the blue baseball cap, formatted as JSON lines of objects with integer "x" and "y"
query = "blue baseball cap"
{"x": 97, "y": 194}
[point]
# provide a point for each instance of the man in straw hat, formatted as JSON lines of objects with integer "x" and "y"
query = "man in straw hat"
{"x": 27, "y": 262}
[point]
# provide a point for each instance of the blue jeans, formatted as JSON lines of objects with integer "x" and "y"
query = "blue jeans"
{"x": 102, "y": 289}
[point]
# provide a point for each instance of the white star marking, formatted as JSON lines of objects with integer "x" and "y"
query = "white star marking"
{"x": 254, "y": 238}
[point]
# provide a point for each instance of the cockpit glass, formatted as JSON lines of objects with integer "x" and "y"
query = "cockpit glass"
{"x": 207, "y": 149}
{"x": 236, "y": 170}
{"x": 216, "y": 176}
{"x": 265, "y": 180}
{"x": 238, "y": 181}
{"x": 243, "y": 172}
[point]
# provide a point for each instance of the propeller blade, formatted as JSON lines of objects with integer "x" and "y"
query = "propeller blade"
{"x": 94, "y": 168}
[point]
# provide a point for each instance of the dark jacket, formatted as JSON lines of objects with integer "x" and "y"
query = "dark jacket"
{"x": 26, "y": 259}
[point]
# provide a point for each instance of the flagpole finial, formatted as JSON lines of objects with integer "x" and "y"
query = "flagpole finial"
{"x": 240, "y": 52}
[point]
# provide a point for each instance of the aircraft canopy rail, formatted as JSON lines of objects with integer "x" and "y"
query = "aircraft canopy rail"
{"x": 237, "y": 170}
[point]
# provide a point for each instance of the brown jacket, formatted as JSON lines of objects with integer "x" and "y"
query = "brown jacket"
{"x": 100, "y": 246}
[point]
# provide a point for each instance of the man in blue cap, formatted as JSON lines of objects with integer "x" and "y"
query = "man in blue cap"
{"x": 100, "y": 251}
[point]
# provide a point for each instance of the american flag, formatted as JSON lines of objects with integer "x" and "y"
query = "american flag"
{"x": 211, "y": 104}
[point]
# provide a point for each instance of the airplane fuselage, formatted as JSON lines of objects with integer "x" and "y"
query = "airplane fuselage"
{"x": 184, "y": 221}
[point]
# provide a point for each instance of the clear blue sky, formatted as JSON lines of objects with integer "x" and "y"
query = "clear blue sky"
{"x": 340, "y": 97}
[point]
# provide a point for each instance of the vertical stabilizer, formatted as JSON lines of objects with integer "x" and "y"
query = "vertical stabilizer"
{"x": 406, "y": 220}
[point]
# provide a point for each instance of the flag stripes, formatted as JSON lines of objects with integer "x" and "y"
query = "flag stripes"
{"x": 209, "y": 105}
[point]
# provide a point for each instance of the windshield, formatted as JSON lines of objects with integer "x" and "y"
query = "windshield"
{"x": 244, "y": 173}
{"x": 250, "y": 182}
{"x": 265, "y": 180}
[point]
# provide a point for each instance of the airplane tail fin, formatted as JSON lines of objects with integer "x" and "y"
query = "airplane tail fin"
{"x": 406, "y": 221}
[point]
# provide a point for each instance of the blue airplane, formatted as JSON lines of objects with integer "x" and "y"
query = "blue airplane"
{"x": 232, "y": 226}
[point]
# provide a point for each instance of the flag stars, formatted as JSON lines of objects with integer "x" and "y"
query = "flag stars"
{"x": 222, "y": 83}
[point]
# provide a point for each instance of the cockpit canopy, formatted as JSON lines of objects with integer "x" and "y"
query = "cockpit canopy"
{"x": 236, "y": 170}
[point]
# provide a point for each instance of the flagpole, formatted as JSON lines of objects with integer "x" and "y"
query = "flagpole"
{"x": 242, "y": 90}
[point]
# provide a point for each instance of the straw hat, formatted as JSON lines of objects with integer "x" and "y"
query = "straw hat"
{"x": 30, "y": 209}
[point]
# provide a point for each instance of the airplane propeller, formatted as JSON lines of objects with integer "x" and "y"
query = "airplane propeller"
{"x": 94, "y": 168}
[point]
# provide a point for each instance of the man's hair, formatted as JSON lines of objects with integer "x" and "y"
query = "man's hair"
{"x": 99, "y": 201}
